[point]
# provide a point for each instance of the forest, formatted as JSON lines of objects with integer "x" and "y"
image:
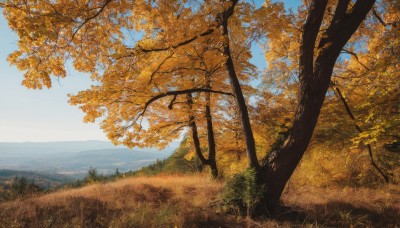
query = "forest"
{"x": 325, "y": 111}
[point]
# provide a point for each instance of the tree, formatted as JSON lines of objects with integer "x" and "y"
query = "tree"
{"x": 210, "y": 161}
{"x": 138, "y": 80}
{"x": 19, "y": 185}
{"x": 358, "y": 73}
{"x": 130, "y": 74}
{"x": 92, "y": 176}
{"x": 316, "y": 63}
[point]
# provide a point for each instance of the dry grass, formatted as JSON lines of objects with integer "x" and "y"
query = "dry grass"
{"x": 190, "y": 201}
{"x": 160, "y": 201}
{"x": 345, "y": 207}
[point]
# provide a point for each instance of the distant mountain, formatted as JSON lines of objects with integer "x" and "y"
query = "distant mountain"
{"x": 53, "y": 147}
{"x": 75, "y": 158}
{"x": 107, "y": 161}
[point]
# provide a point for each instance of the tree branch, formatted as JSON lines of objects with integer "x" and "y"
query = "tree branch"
{"x": 375, "y": 13}
{"x": 226, "y": 14}
{"x": 171, "y": 104}
{"x": 340, "y": 31}
{"x": 159, "y": 66}
{"x": 138, "y": 48}
{"x": 340, "y": 11}
{"x": 193, "y": 126}
{"x": 311, "y": 29}
{"x": 90, "y": 18}
{"x": 349, "y": 112}
{"x": 176, "y": 93}
{"x": 356, "y": 56}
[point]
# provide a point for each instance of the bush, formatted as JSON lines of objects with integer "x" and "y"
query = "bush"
{"x": 93, "y": 176}
{"x": 242, "y": 193}
{"x": 21, "y": 186}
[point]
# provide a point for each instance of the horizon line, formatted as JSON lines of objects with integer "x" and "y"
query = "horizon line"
{"x": 55, "y": 141}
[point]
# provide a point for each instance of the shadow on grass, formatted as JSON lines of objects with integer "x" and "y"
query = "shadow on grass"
{"x": 87, "y": 212}
{"x": 338, "y": 214}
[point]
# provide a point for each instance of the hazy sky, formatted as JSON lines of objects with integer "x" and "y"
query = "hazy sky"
{"x": 38, "y": 115}
{"x": 45, "y": 115}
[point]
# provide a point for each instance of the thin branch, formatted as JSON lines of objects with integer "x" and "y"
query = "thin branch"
{"x": 181, "y": 68}
{"x": 159, "y": 66}
{"x": 221, "y": 17}
{"x": 171, "y": 104}
{"x": 355, "y": 56}
{"x": 349, "y": 112}
{"x": 375, "y": 13}
{"x": 189, "y": 40}
{"x": 90, "y": 18}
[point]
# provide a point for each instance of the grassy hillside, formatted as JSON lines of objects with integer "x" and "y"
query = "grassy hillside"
{"x": 171, "y": 193}
{"x": 130, "y": 202}
{"x": 193, "y": 201}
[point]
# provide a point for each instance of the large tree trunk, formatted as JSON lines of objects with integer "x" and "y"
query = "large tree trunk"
{"x": 278, "y": 166}
{"x": 315, "y": 77}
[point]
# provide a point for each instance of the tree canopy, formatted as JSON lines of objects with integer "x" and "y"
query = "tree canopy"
{"x": 163, "y": 68}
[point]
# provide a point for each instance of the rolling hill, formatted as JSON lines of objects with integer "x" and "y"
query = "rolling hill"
{"x": 75, "y": 158}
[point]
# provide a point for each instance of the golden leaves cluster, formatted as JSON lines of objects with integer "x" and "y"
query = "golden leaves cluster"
{"x": 134, "y": 50}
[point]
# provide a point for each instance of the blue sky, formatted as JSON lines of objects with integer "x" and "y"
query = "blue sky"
{"x": 45, "y": 115}
{"x": 39, "y": 115}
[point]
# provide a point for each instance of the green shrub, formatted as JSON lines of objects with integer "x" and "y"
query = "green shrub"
{"x": 242, "y": 193}
{"x": 93, "y": 176}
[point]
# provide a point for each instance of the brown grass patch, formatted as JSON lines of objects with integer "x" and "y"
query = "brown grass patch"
{"x": 191, "y": 201}
{"x": 161, "y": 201}
{"x": 345, "y": 207}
